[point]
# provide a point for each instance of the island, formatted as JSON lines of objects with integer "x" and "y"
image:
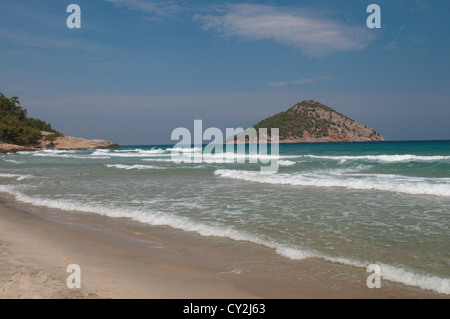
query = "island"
{"x": 18, "y": 132}
{"x": 311, "y": 122}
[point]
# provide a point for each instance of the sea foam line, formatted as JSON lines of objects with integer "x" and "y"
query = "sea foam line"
{"x": 396, "y": 274}
{"x": 12, "y": 161}
{"x": 18, "y": 177}
{"x": 130, "y": 153}
{"x": 136, "y": 166}
{"x": 70, "y": 156}
{"x": 400, "y": 184}
{"x": 385, "y": 158}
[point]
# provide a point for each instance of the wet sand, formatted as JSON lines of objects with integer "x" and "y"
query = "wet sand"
{"x": 34, "y": 256}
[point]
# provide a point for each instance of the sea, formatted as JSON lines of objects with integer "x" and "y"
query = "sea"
{"x": 357, "y": 204}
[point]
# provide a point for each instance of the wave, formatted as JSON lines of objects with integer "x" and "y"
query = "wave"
{"x": 399, "y": 274}
{"x": 157, "y": 218}
{"x": 18, "y": 177}
{"x": 384, "y": 158}
{"x": 12, "y": 161}
{"x": 71, "y": 156}
{"x": 136, "y": 166}
{"x": 48, "y": 152}
{"x": 185, "y": 149}
{"x": 166, "y": 160}
{"x": 390, "y": 183}
{"x": 286, "y": 163}
{"x": 137, "y": 150}
{"x": 130, "y": 153}
{"x": 231, "y": 157}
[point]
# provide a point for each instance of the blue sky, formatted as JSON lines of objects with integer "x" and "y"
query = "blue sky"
{"x": 137, "y": 69}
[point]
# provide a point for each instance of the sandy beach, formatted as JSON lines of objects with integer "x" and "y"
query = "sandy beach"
{"x": 34, "y": 256}
{"x": 118, "y": 262}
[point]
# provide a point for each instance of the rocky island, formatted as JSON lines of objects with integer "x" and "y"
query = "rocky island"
{"x": 18, "y": 132}
{"x": 312, "y": 122}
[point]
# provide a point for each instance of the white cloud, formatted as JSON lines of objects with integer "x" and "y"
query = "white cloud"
{"x": 313, "y": 35}
{"x": 296, "y": 82}
{"x": 157, "y": 8}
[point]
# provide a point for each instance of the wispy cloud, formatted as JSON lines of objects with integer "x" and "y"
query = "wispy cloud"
{"x": 297, "y": 82}
{"x": 152, "y": 7}
{"x": 22, "y": 37}
{"x": 313, "y": 35}
{"x": 392, "y": 44}
{"x": 285, "y": 83}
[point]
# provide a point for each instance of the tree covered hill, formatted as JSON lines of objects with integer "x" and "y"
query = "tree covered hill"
{"x": 311, "y": 121}
{"x": 16, "y": 127}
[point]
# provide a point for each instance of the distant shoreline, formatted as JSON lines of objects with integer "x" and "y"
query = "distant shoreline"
{"x": 305, "y": 143}
{"x": 60, "y": 143}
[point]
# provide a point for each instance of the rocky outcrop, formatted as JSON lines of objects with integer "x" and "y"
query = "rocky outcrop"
{"x": 60, "y": 143}
{"x": 76, "y": 143}
{"x": 312, "y": 122}
{"x": 12, "y": 148}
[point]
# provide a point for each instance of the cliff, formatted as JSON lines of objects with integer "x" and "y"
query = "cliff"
{"x": 312, "y": 122}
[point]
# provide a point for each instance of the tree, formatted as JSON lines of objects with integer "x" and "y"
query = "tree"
{"x": 16, "y": 127}
{"x": 52, "y": 137}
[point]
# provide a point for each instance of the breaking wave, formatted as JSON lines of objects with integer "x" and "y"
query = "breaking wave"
{"x": 390, "y": 183}
{"x": 136, "y": 166}
{"x": 384, "y": 158}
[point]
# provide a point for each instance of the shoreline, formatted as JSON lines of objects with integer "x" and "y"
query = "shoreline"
{"x": 123, "y": 259}
{"x": 34, "y": 255}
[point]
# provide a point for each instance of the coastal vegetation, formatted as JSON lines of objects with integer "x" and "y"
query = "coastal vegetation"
{"x": 16, "y": 127}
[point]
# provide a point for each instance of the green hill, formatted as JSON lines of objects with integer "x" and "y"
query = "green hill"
{"x": 16, "y": 127}
{"x": 312, "y": 122}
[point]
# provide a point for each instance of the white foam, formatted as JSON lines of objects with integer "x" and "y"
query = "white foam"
{"x": 152, "y": 151}
{"x": 400, "y": 184}
{"x": 71, "y": 156}
{"x": 13, "y": 161}
{"x": 24, "y": 152}
{"x": 158, "y": 160}
{"x": 286, "y": 163}
{"x": 231, "y": 157}
{"x": 388, "y": 272}
{"x": 18, "y": 177}
{"x": 399, "y": 274}
{"x": 185, "y": 149}
{"x": 135, "y": 166}
{"x": 384, "y": 158}
{"x": 52, "y": 152}
{"x": 131, "y": 153}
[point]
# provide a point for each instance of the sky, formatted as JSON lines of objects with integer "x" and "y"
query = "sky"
{"x": 138, "y": 69}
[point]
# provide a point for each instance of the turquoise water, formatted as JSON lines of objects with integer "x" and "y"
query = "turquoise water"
{"x": 353, "y": 203}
